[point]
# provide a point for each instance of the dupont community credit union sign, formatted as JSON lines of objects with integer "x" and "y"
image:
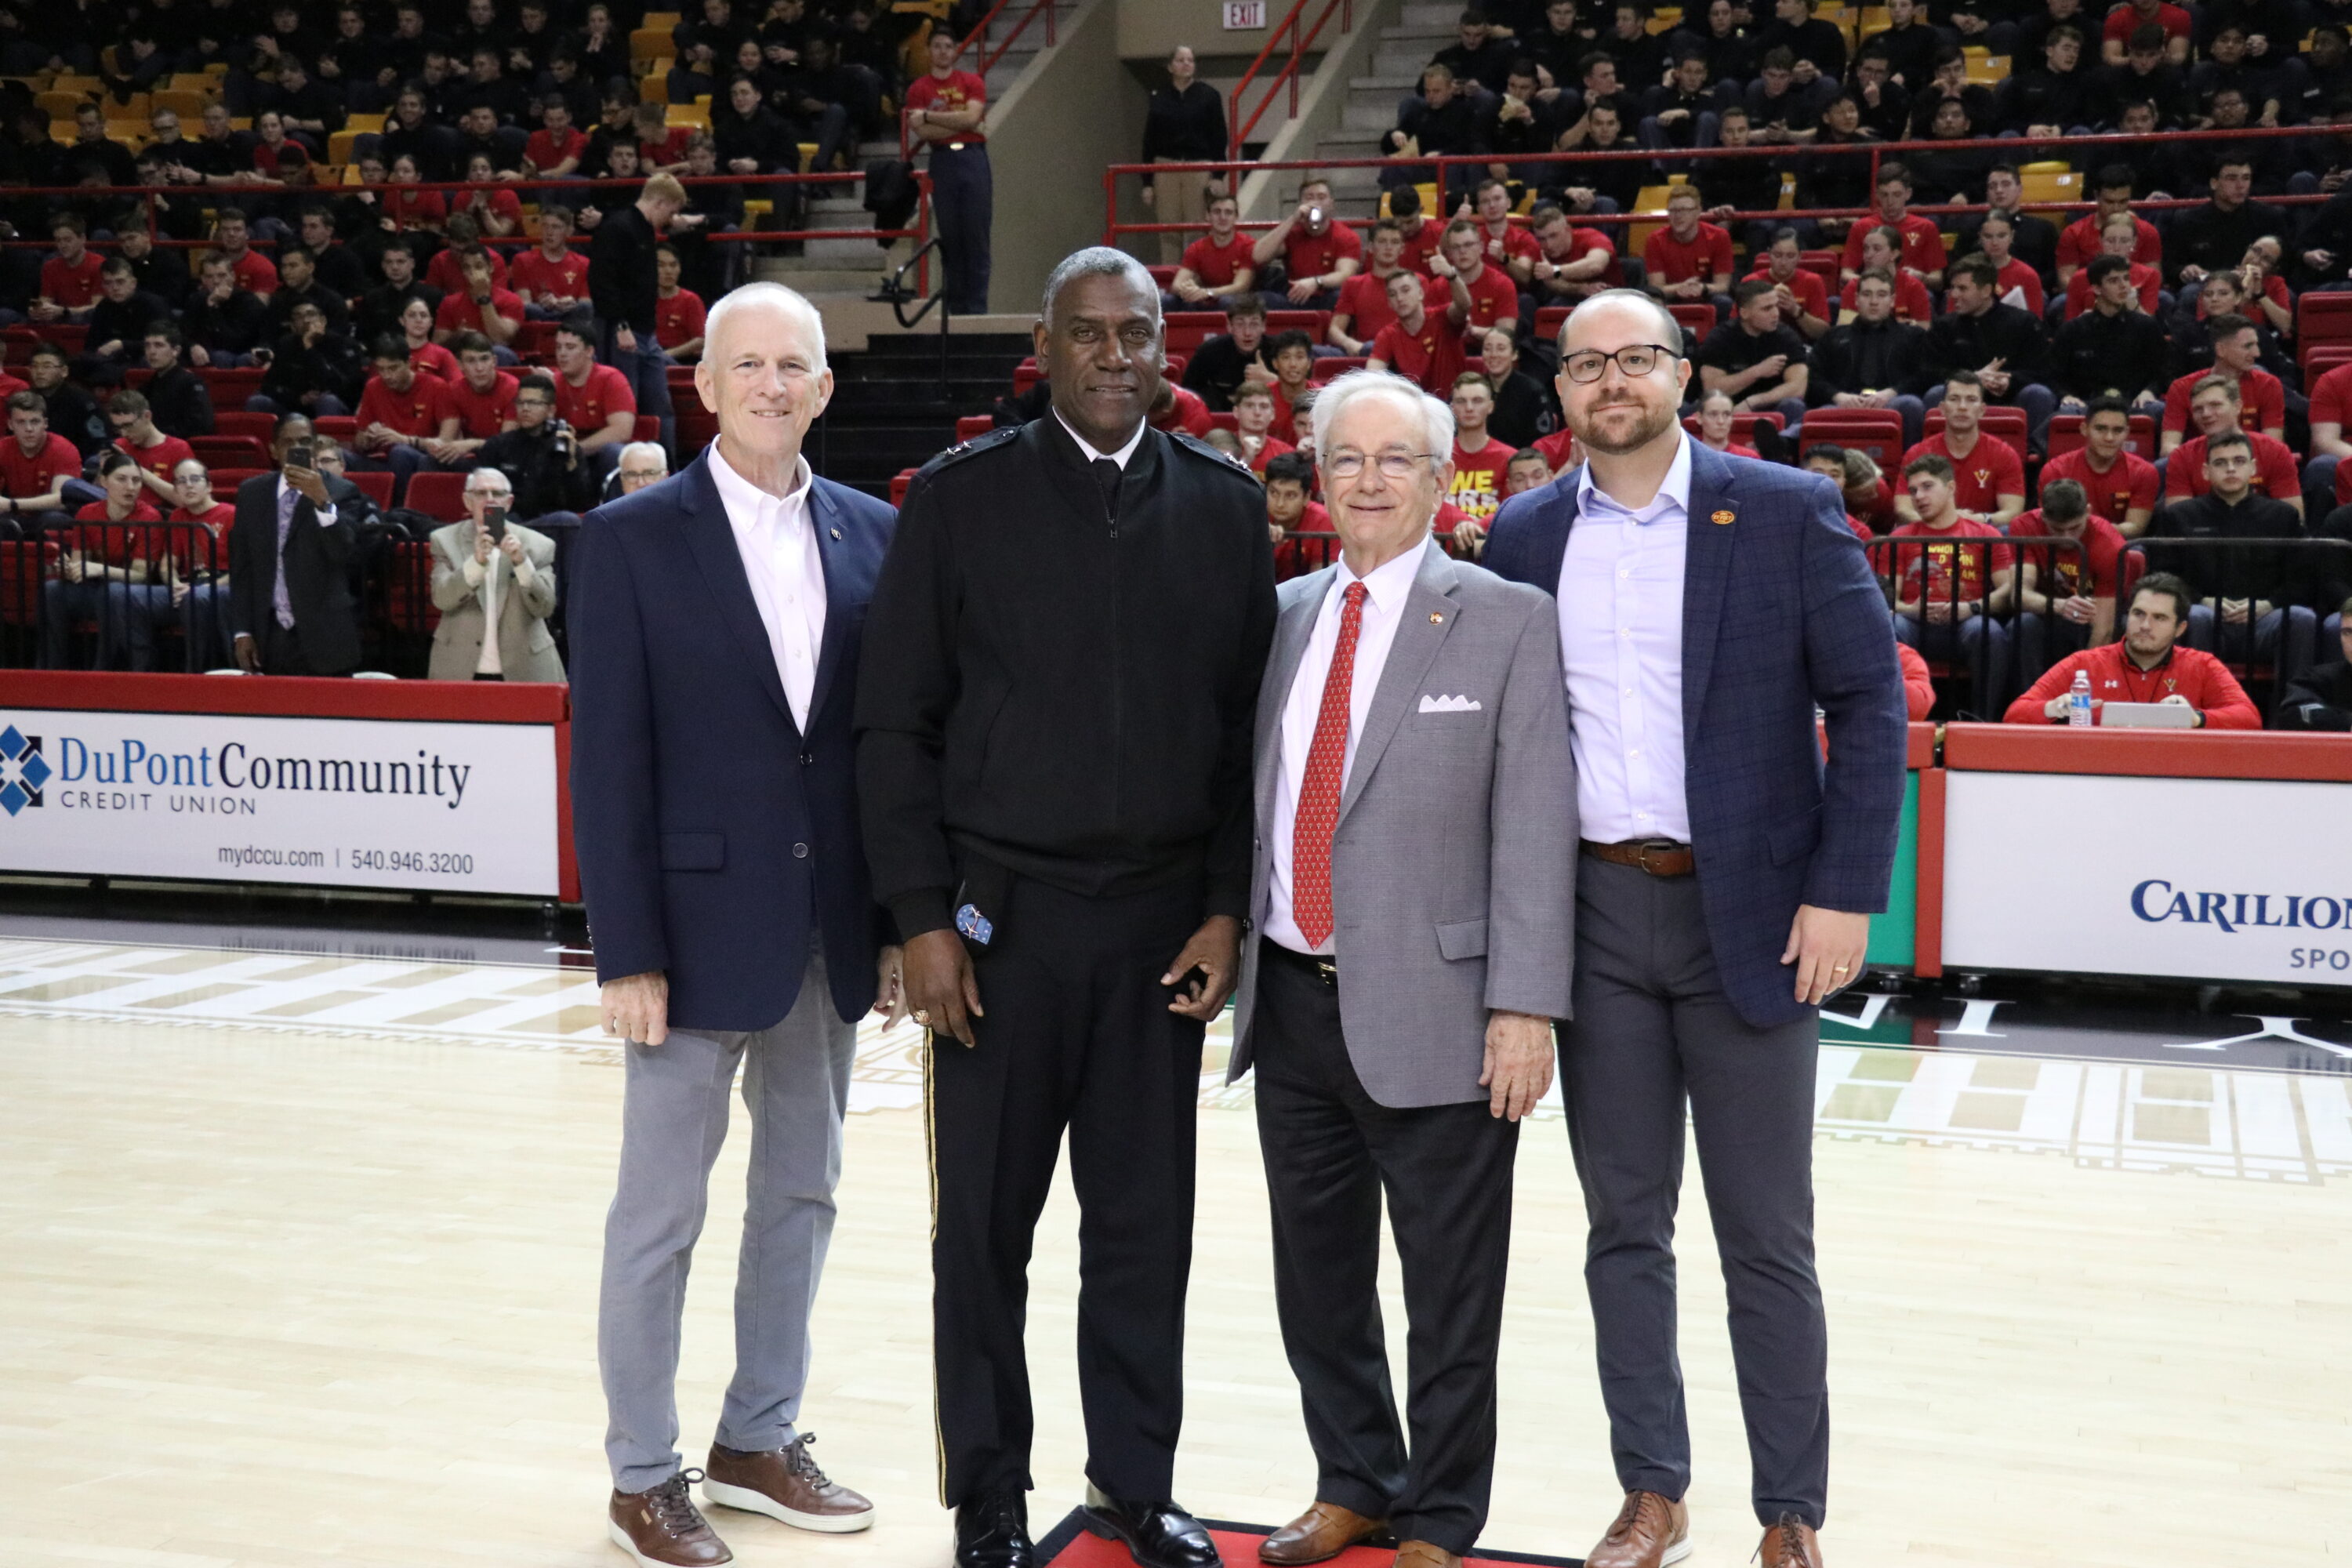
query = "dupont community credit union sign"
{"x": 334, "y": 802}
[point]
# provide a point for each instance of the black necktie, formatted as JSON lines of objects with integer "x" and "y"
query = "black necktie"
{"x": 1107, "y": 477}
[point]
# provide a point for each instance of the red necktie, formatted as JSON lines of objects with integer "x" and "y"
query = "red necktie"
{"x": 1318, "y": 793}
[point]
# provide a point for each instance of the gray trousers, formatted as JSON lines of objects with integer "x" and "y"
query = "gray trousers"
{"x": 1653, "y": 1031}
{"x": 673, "y": 1120}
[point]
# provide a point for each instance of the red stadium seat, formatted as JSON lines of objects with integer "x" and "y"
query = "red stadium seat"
{"x": 899, "y": 483}
{"x": 337, "y": 426}
{"x": 2009, "y": 424}
{"x": 1188, "y": 330}
{"x": 646, "y": 428}
{"x": 696, "y": 428}
{"x": 975, "y": 424}
{"x": 24, "y": 566}
{"x": 409, "y": 595}
{"x": 2066, "y": 435}
{"x": 1699, "y": 318}
{"x": 1163, "y": 276}
{"x": 1823, "y": 264}
{"x": 2323, "y": 318}
{"x": 1779, "y": 421}
{"x": 1876, "y": 431}
{"x": 1225, "y": 421}
{"x": 231, "y": 451}
{"x": 230, "y": 388}
{"x": 1175, "y": 367}
{"x": 225, "y": 481}
{"x": 1331, "y": 369}
{"x": 238, "y": 422}
{"x": 1312, "y": 322}
{"x": 377, "y": 488}
{"x": 1026, "y": 376}
{"x": 1548, "y": 320}
{"x": 2317, "y": 359}
{"x": 437, "y": 495}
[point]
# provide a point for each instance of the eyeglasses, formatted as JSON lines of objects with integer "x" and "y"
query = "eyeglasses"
{"x": 1636, "y": 360}
{"x": 1392, "y": 464}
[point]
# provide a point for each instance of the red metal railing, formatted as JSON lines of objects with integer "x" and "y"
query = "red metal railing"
{"x": 1286, "y": 76}
{"x": 975, "y": 44}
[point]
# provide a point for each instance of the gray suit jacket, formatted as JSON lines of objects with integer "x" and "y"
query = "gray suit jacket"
{"x": 526, "y": 647}
{"x": 1453, "y": 865}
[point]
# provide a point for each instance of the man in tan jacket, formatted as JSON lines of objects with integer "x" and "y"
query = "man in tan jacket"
{"x": 484, "y": 576}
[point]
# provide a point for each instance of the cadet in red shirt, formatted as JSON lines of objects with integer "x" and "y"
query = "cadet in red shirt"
{"x": 2114, "y": 36}
{"x": 1179, "y": 408}
{"x": 256, "y": 273}
{"x": 431, "y": 360}
{"x": 1423, "y": 232}
{"x": 98, "y": 568}
{"x": 1942, "y": 590}
{"x": 1481, "y": 295}
{"x": 594, "y": 399}
{"x": 1911, "y": 302}
{"x": 678, "y": 315}
{"x": 1254, "y": 422}
{"x": 2121, "y": 486}
{"x": 157, "y": 455}
{"x": 2079, "y": 243}
{"x": 1689, "y": 260}
{"x": 2262, "y": 401}
{"x": 398, "y": 412}
{"x": 478, "y": 305}
{"x": 2150, "y": 665}
{"x": 1419, "y": 344}
{"x": 2214, "y": 408}
{"x": 944, "y": 110}
{"x": 1217, "y": 265}
{"x": 1363, "y": 306}
{"x": 551, "y": 279}
{"x": 2068, "y": 598}
{"x": 1481, "y": 464}
{"x": 2331, "y": 397}
{"x": 70, "y": 279}
{"x": 1989, "y": 477}
{"x": 1319, "y": 252}
{"x": 1804, "y": 296}
{"x": 1289, "y": 510}
{"x": 1922, "y": 251}
{"x": 1571, "y": 263}
{"x": 555, "y": 148}
{"x": 37, "y": 467}
{"x": 1504, "y": 244}
{"x": 2119, "y": 237}
{"x": 483, "y": 397}
{"x": 446, "y": 270}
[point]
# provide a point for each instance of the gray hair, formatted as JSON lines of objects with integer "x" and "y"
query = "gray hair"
{"x": 643, "y": 448}
{"x": 473, "y": 488}
{"x": 1095, "y": 261}
{"x": 1671, "y": 329}
{"x": 790, "y": 300}
{"x": 1437, "y": 418}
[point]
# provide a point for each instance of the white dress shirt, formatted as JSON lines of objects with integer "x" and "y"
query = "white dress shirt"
{"x": 1385, "y": 590}
{"x": 778, "y": 543}
{"x": 1087, "y": 448}
{"x": 487, "y": 582}
{"x": 1620, "y": 644}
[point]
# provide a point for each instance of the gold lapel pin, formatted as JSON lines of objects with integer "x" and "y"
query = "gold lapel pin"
{"x": 1435, "y": 619}
{"x": 1720, "y": 519}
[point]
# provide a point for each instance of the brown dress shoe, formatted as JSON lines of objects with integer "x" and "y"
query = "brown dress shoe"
{"x": 785, "y": 1484}
{"x": 1322, "y": 1532}
{"x": 1789, "y": 1544}
{"x": 1651, "y": 1532}
{"x": 663, "y": 1528}
{"x": 1422, "y": 1554}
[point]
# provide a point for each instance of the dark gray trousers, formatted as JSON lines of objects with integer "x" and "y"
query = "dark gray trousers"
{"x": 1653, "y": 1031}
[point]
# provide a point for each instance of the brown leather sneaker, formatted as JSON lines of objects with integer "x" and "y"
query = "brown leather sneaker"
{"x": 1789, "y": 1544}
{"x": 1422, "y": 1554}
{"x": 1651, "y": 1532}
{"x": 785, "y": 1484}
{"x": 1322, "y": 1532}
{"x": 663, "y": 1528}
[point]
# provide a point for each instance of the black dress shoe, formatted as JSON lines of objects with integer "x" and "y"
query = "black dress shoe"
{"x": 1158, "y": 1534}
{"x": 993, "y": 1531}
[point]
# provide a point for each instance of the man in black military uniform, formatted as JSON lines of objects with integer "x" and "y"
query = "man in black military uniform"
{"x": 1055, "y": 717}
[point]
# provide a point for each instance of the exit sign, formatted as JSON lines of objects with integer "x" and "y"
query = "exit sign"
{"x": 1244, "y": 13}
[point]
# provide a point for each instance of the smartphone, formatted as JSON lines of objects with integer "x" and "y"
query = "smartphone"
{"x": 1314, "y": 214}
{"x": 494, "y": 519}
{"x": 301, "y": 455}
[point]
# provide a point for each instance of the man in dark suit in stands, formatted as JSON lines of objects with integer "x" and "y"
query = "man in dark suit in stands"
{"x": 290, "y": 607}
{"x": 715, "y": 621}
{"x": 1709, "y": 606}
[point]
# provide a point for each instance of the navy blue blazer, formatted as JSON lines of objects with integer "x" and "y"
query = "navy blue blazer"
{"x": 712, "y": 835}
{"x": 1781, "y": 614}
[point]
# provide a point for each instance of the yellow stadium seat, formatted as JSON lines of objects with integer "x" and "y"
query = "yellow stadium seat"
{"x": 68, "y": 82}
{"x": 363, "y": 122}
{"x": 695, "y": 116}
{"x": 646, "y": 43}
{"x": 130, "y": 132}
{"x": 188, "y": 105}
{"x": 61, "y": 107}
{"x": 756, "y": 209}
{"x": 1652, "y": 205}
{"x": 807, "y": 150}
{"x": 340, "y": 145}
{"x": 1665, "y": 19}
{"x": 653, "y": 88}
{"x": 1985, "y": 68}
{"x": 2044, "y": 187}
{"x": 216, "y": 70}
{"x": 664, "y": 20}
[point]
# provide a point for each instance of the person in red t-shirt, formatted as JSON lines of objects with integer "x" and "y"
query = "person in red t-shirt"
{"x": 2262, "y": 401}
{"x": 594, "y": 399}
{"x": 944, "y": 112}
{"x": 1292, "y": 354}
{"x": 1420, "y": 344}
{"x": 1423, "y": 231}
{"x": 1481, "y": 463}
{"x": 1804, "y": 297}
{"x": 1988, "y": 475}
{"x": 478, "y": 305}
{"x": 2150, "y": 665}
{"x": 1572, "y": 264}
{"x": 1911, "y": 302}
{"x": 1288, "y": 511}
{"x": 1828, "y": 459}
{"x": 496, "y": 212}
{"x": 398, "y": 410}
{"x": 431, "y": 359}
{"x": 2214, "y": 408}
{"x": 256, "y": 273}
{"x": 445, "y": 271}
{"x": 2118, "y": 238}
{"x": 2080, "y": 241}
{"x": 99, "y": 567}
{"x": 1479, "y": 294}
{"x": 1941, "y": 590}
{"x": 2121, "y": 486}
{"x": 1253, "y": 420}
{"x": 2116, "y": 33}
{"x": 2015, "y": 282}
{"x": 1178, "y": 408}
{"x": 156, "y": 453}
{"x": 407, "y": 205}
{"x": 1319, "y": 252}
{"x": 483, "y": 397}
{"x": 1363, "y": 305}
{"x": 1922, "y": 251}
{"x": 1689, "y": 261}
{"x": 1217, "y": 266}
{"x": 1718, "y": 412}
{"x": 2331, "y": 412}
{"x": 197, "y": 589}
{"x": 1505, "y": 246}
{"x": 2067, "y": 598}
{"x": 41, "y": 472}
{"x": 679, "y": 314}
{"x": 1527, "y": 470}
{"x": 70, "y": 280}
{"x": 551, "y": 279}
{"x": 554, "y": 150}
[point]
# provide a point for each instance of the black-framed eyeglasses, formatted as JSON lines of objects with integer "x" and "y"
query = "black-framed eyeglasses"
{"x": 1636, "y": 360}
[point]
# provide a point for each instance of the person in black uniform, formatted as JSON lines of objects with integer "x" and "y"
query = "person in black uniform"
{"x": 1053, "y": 766}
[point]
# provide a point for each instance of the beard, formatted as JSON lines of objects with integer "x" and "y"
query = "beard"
{"x": 1649, "y": 423}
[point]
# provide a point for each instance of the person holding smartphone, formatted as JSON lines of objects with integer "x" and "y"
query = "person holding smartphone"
{"x": 291, "y": 611}
{"x": 494, "y": 583}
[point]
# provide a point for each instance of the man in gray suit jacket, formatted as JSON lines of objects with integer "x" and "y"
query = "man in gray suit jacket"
{"x": 1414, "y": 894}
{"x": 478, "y": 576}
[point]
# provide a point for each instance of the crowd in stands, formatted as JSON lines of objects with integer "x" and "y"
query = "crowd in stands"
{"x": 2136, "y": 376}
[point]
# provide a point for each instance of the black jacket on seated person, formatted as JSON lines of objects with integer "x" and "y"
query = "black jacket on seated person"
{"x": 334, "y": 365}
{"x": 1451, "y": 128}
{"x": 2007, "y": 332}
{"x": 180, "y": 403}
{"x": 2320, "y": 699}
{"x": 2096, "y": 356}
{"x": 763, "y": 136}
{"x": 237, "y": 325}
{"x": 534, "y": 464}
{"x": 1858, "y": 357}
{"x": 2253, "y": 571}
{"x": 126, "y": 324}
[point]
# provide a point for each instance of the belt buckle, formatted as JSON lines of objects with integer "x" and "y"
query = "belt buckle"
{"x": 1641, "y": 856}
{"x": 1327, "y": 970}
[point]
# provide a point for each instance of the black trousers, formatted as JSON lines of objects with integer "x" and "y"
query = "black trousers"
{"x": 1078, "y": 1035}
{"x": 1654, "y": 1032}
{"x": 282, "y": 652}
{"x": 1331, "y": 1152}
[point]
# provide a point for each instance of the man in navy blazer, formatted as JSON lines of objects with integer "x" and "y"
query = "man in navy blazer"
{"x": 715, "y": 621}
{"x": 1709, "y": 606}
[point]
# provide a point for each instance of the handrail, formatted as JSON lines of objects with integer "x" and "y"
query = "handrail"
{"x": 1288, "y": 72}
{"x": 976, "y": 44}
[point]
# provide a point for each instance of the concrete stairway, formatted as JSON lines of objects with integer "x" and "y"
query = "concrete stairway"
{"x": 1422, "y": 29}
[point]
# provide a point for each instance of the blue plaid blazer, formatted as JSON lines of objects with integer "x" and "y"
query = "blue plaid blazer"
{"x": 1780, "y": 615}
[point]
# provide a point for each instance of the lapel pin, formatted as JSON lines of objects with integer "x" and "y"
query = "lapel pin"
{"x": 836, "y": 533}
{"x": 1719, "y": 519}
{"x": 1435, "y": 619}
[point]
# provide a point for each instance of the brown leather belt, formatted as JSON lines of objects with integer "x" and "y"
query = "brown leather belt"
{"x": 1658, "y": 857}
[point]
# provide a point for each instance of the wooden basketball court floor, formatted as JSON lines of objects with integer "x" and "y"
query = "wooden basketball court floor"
{"x": 298, "y": 1263}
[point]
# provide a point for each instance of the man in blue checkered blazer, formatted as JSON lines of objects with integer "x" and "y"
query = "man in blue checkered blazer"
{"x": 1709, "y": 606}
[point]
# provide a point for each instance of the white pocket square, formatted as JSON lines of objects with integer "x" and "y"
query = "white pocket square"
{"x": 1450, "y": 705}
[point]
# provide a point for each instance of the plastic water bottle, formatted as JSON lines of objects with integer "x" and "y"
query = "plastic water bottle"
{"x": 2078, "y": 701}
